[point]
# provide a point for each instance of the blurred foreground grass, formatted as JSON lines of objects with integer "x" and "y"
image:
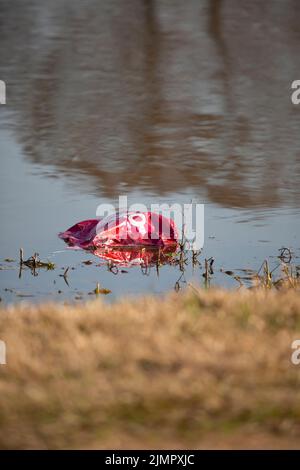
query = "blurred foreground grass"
{"x": 209, "y": 369}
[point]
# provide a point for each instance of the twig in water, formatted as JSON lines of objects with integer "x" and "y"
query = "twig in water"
{"x": 21, "y": 256}
{"x": 64, "y": 275}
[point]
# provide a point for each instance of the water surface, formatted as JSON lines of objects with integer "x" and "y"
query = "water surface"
{"x": 161, "y": 101}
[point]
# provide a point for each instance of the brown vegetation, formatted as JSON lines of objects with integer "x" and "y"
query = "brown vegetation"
{"x": 204, "y": 369}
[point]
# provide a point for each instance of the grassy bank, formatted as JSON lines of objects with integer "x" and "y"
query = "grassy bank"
{"x": 211, "y": 369}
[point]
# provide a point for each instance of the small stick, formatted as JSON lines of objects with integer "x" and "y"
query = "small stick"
{"x": 21, "y": 256}
{"x": 64, "y": 276}
{"x": 66, "y": 272}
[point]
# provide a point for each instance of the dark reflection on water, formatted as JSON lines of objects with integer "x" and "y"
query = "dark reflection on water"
{"x": 162, "y": 96}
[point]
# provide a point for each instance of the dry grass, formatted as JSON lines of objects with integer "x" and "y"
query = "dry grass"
{"x": 198, "y": 370}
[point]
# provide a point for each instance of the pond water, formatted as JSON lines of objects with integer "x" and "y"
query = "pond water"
{"x": 162, "y": 102}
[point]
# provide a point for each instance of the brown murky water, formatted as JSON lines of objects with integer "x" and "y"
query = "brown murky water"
{"x": 159, "y": 100}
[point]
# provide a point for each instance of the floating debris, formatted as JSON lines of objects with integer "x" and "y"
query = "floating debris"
{"x": 229, "y": 273}
{"x": 5, "y": 267}
{"x": 99, "y": 290}
{"x": 34, "y": 262}
{"x": 24, "y": 295}
{"x": 124, "y": 228}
